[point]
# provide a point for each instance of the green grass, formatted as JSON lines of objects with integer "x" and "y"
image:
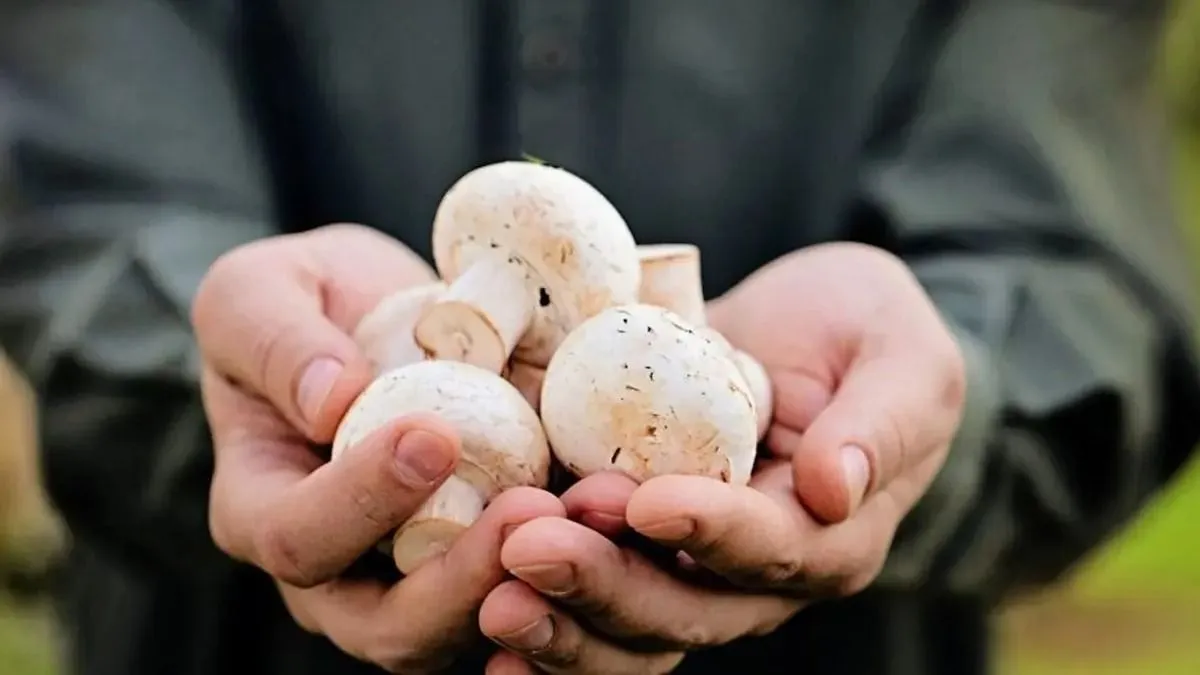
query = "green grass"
{"x": 26, "y": 639}
{"x": 1133, "y": 609}
{"x": 1158, "y": 556}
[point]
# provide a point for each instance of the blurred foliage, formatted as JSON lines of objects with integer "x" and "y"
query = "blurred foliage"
{"x": 1132, "y": 609}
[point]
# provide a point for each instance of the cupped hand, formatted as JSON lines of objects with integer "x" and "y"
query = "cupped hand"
{"x": 869, "y": 387}
{"x": 273, "y": 321}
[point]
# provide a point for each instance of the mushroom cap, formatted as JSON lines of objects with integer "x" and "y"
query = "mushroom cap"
{"x": 573, "y": 247}
{"x": 636, "y": 389}
{"x": 758, "y": 382}
{"x": 385, "y": 334}
{"x": 503, "y": 443}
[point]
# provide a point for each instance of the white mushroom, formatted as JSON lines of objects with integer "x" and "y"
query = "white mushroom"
{"x": 529, "y": 252}
{"x": 759, "y": 384}
{"x": 385, "y": 334}
{"x": 638, "y": 390}
{"x": 671, "y": 279}
{"x": 503, "y": 445}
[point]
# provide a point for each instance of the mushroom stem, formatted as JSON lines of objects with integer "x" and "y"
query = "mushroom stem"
{"x": 527, "y": 378}
{"x": 480, "y": 318}
{"x": 452, "y": 508}
{"x": 671, "y": 280}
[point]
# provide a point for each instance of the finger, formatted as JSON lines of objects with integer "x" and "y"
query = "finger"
{"x": 508, "y": 663}
{"x": 759, "y": 537}
{"x": 799, "y": 398}
{"x": 276, "y": 317}
{"x": 268, "y": 509}
{"x": 888, "y": 412}
{"x": 738, "y": 532}
{"x": 598, "y": 502}
{"x": 625, "y": 596}
{"x": 519, "y": 619}
{"x": 425, "y": 619}
{"x": 260, "y": 321}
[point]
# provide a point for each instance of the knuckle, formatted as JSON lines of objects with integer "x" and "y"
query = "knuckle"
{"x": 953, "y": 375}
{"x": 844, "y": 575}
{"x": 781, "y": 572}
{"x": 223, "y": 276}
{"x": 371, "y": 508}
{"x": 278, "y": 555}
{"x": 777, "y": 575}
{"x": 693, "y": 633}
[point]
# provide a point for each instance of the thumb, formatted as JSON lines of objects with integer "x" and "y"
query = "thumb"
{"x": 261, "y": 321}
{"x": 886, "y": 415}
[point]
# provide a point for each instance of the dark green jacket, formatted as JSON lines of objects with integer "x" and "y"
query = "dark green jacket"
{"x": 1009, "y": 149}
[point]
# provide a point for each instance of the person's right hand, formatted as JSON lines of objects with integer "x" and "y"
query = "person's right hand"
{"x": 273, "y": 321}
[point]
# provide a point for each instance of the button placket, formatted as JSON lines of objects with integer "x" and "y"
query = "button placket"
{"x": 552, "y": 84}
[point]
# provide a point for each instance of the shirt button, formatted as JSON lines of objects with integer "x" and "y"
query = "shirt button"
{"x": 547, "y": 57}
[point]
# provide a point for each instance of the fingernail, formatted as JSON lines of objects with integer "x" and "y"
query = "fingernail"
{"x": 315, "y": 384}
{"x": 670, "y": 530}
{"x": 506, "y": 532}
{"x": 857, "y": 470}
{"x": 552, "y": 579}
{"x": 686, "y": 561}
{"x": 423, "y": 457}
{"x": 532, "y": 638}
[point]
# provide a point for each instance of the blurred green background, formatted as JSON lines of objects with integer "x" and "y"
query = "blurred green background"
{"x": 1132, "y": 610}
{"x": 1135, "y": 608}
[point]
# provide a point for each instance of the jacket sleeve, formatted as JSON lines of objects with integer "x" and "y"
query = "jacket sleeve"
{"x": 1028, "y": 188}
{"x": 126, "y": 168}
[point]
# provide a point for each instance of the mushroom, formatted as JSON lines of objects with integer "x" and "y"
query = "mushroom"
{"x": 638, "y": 390}
{"x": 671, "y": 280}
{"x": 528, "y": 380}
{"x": 503, "y": 445}
{"x": 529, "y": 252}
{"x": 759, "y": 383}
{"x": 385, "y": 334}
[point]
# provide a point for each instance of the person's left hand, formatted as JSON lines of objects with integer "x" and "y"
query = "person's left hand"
{"x": 869, "y": 387}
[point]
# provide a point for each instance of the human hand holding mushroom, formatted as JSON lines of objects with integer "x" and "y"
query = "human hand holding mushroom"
{"x": 273, "y": 320}
{"x": 868, "y": 388}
